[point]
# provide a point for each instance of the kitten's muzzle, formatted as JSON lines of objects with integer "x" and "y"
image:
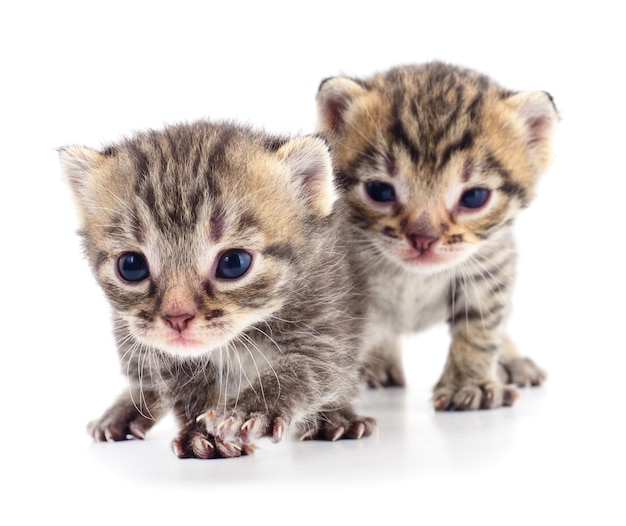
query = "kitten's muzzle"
{"x": 178, "y": 322}
{"x": 421, "y": 242}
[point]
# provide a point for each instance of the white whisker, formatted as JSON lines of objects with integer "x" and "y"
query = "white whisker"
{"x": 267, "y": 360}
{"x": 258, "y": 372}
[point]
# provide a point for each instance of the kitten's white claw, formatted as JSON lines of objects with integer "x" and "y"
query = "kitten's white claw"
{"x": 309, "y": 435}
{"x": 250, "y": 430}
{"x": 202, "y": 448}
{"x": 208, "y": 416}
{"x": 177, "y": 448}
{"x": 360, "y": 430}
{"x": 278, "y": 432}
{"x": 137, "y": 431}
{"x": 228, "y": 449}
{"x": 229, "y": 429}
{"x": 108, "y": 436}
{"x": 338, "y": 433}
{"x": 441, "y": 402}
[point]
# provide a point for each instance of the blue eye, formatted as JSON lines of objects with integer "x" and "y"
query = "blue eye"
{"x": 474, "y": 197}
{"x": 380, "y": 192}
{"x": 132, "y": 267}
{"x": 233, "y": 264}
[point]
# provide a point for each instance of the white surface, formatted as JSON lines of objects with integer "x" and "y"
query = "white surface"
{"x": 87, "y": 73}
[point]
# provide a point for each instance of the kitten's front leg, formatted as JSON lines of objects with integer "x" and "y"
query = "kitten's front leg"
{"x": 244, "y": 428}
{"x": 335, "y": 424}
{"x": 480, "y": 301}
{"x": 295, "y": 390}
{"x": 194, "y": 441}
{"x": 468, "y": 381}
{"x": 133, "y": 414}
{"x": 265, "y": 409}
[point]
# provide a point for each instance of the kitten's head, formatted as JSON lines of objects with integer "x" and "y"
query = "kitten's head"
{"x": 434, "y": 159}
{"x": 194, "y": 232}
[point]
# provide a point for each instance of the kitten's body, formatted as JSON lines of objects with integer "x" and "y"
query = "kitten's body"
{"x": 235, "y": 305}
{"x": 435, "y": 162}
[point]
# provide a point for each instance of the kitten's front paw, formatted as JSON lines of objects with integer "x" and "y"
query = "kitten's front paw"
{"x": 383, "y": 369}
{"x": 470, "y": 397}
{"x": 521, "y": 371}
{"x": 244, "y": 427}
{"x": 196, "y": 442}
{"x": 119, "y": 423}
{"x": 382, "y": 375}
{"x": 339, "y": 424}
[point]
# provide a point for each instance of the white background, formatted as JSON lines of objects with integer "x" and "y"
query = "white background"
{"x": 90, "y": 72}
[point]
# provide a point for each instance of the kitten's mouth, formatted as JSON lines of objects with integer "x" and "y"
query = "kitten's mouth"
{"x": 183, "y": 340}
{"x": 194, "y": 343}
{"x": 429, "y": 260}
{"x": 188, "y": 343}
{"x": 424, "y": 259}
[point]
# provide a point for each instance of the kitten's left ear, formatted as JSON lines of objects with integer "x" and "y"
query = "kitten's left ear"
{"x": 311, "y": 170}
{"x": 539, "y": 117}
{"x": 78, "y": 163}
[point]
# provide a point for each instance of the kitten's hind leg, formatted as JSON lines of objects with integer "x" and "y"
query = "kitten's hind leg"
{"x": 382, "y": 365}
{"x": 337, "y": 424}
{"x": 516, "y": 369}
{"x": 127, "y": 417}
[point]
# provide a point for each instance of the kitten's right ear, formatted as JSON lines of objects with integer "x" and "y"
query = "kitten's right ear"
{"x": 334, "y": 98}
{"x": 78, "y": 163}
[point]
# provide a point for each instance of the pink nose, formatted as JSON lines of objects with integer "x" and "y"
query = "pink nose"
{"x": 178, "y": 322}
{"x": 422, "y": 243}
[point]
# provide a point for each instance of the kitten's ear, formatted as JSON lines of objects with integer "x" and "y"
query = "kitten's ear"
{"x": 78, "y": 164}
{"x": 334, "y": 98}
{"x": 539, "y": 117}
{"x": 311, "y": 170}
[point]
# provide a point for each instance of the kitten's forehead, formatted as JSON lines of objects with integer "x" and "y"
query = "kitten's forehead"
{"x": 189, "y": 174}
{"x": 426, "y": 121}
{"x": 433, "y": 118}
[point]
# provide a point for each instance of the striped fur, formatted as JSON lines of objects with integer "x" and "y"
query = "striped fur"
{"x": 254, "y": 356}
{"x": 434, "y": 132}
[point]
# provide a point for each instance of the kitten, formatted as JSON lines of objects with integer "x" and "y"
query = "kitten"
{"x": 234, "y": 300}
{"x": 435, "y": 162}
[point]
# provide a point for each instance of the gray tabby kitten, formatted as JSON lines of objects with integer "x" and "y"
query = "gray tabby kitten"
{"x": 435, "y": 162}
{"x": 234, "y": 301}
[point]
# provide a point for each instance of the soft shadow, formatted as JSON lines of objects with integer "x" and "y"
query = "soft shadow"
{"x": 412, "y": 441}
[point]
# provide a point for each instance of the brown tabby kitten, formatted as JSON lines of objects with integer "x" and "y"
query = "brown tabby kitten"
{"x": 234, "y": 301}
{"x": 435, "y": 162}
